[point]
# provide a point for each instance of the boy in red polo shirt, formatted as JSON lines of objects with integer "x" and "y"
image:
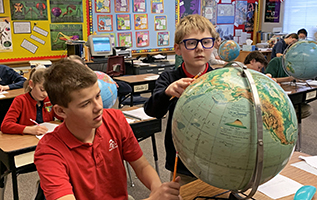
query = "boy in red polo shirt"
{"x": 83, "y": 157}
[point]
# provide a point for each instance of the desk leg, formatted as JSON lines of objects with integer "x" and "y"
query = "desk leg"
{"x": 131, "y": 99}
{"x": 155, "y": 154}
{"x": 299, "y": 120}
{"x": 3, "y": 180}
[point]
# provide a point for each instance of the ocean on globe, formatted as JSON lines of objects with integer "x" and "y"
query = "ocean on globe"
{"x": 228, "y": 50}
{"x": 214, "y": 128}
{"x": 108, "y": 89}
{"x": 300, "y": 60}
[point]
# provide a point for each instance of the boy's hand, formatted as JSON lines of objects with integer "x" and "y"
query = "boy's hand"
{"x": 4, "y": 88}
{"x": 35, "y": 130}
{"x": 177, "y": 88}
{"x": 167, "y": 191}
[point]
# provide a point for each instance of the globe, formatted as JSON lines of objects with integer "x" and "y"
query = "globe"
{"x": 108, "y": 89}
{"x": 228, "y": 50}
{"x": 214, "y": 127}
{"x": 300, "y": 60}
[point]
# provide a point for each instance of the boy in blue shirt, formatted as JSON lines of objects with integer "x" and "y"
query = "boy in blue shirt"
{"x": 10, "y": 79}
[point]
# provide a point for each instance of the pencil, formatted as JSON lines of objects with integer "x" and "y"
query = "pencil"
{"x": 197, "y": 75}
{"x": 34, "y": 122}
{"x": 175, "y": 167}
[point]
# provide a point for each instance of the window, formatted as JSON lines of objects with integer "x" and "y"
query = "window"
{"x": 300, "y": 14}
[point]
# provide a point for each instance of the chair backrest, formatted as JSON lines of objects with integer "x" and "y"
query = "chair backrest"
{"x": 115, "y": 66}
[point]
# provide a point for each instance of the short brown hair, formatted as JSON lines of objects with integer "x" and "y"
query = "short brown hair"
{"x": 64, "y": 77}
{"x": 292, "y": 35}
{"x": 257, "y": 56}
{"x": 193, "y": 23}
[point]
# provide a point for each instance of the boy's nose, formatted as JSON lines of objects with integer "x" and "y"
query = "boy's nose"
{"x": 199, "y": 46}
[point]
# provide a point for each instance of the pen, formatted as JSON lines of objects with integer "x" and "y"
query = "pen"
{"x": 193, "y": 78}
{"x": 175, "y": 166}
{"x": 34, "y": 122}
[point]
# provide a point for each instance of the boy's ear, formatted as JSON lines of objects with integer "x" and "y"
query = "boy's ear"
{"x": 252, "y": 61}
{"x": 59, "y": 110}
{"x": 177, "y": 49}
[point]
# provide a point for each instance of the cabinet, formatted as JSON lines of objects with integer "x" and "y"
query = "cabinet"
{"x": 145, "y": 68}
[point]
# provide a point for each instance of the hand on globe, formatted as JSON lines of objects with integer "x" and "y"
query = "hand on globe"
{"x": 177, "y": 88}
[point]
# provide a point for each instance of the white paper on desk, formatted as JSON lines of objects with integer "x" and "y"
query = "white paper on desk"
{"x": 2, "y": 96}
{"x": 292, "y": 83}
{"x": 280, "y": 186}
{"x": 49, "y": 126}
{"x": 313, "y": 83}
{"x": 311, "y": 160}
{"x": 159, "y": 56}
{"x": 306, "y": 167}
{"x": 130, "y": 121}
{"x": 4, "y": 92}
{"x": 137, "y": 113}
{"x": 154, "y": 77}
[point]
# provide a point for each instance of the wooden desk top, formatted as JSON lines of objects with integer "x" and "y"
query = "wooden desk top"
{"x": 297, "y": 88}
{"x": 199, "y": 188}
{"x": 13, "y": 93}
{"x": 135, "y": 78}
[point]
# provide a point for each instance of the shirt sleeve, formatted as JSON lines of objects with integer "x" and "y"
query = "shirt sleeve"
{"x": 16, "y": 80}
{"x": 214, "y": 61}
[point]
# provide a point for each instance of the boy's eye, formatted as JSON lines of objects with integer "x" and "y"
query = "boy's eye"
{"x": 191, "y": 42}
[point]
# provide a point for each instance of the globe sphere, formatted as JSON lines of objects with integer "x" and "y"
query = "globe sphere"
{"x": 300, "y": 60}
{"x": 228, "y": 50}
{"x": 214, "y": 128}
{"x": 108, "y": 89}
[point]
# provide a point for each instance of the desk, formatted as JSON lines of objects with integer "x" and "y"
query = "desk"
{"x": 17, "y": 151}
{"x": 7, "y": 100}
{"x": 142, "y": 83}
{"x": 199, "y": 188}
{"x": 300, "y": 94}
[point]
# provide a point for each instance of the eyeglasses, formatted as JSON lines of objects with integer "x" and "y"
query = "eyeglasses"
{"x": 191, "y": 44}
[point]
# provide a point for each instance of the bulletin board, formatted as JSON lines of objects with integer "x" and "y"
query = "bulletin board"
{"x": 35, "y": 30}
{"x": 142, "y": 25}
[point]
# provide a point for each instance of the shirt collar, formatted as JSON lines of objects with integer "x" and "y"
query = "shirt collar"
{"x": 192, "y": 76}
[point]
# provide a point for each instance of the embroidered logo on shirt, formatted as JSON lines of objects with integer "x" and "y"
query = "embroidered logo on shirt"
{"x": 48, "y": 106}
{"x": 112, "y": 145}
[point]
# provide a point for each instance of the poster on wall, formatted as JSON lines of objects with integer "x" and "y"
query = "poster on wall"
{"x": 140, "y": 21}
{"x": 122, "y": 6}
{"x": 60, "y": 33}
{"x": 157, "y": 6}
{"x": 225, "y": 14}
{"x": 66, "y": 11}
{"x": 163, "y": 38}
{"x": 142, "y": 38}
{"x": 272, "y": 11}
{"x": 225, "y": 31}
{"x": 125, "y": 39}
{"x": 6, "y": 38}
{"x": 28, "y": 10}
{"x": 240, "y": 14}
{"x": 123, "y": 22}
{"x": 188, "y": 7}
{"x": 104, "y": 23}
{"x": 160, "y": 22}
{"x": 209, "y": 10}
{"x": 139, "y": 6}
{"x": 1, "y": 6}
{"x": 102, "y": 6}
{"x": 250, "y": 18}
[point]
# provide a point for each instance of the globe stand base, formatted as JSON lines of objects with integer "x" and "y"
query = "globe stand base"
{"x": 231, "y": 197}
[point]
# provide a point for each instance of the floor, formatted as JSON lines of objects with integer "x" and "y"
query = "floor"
{"x": 27, "y": 182}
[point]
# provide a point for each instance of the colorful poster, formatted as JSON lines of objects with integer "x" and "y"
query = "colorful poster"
{"x": 209, "y": 10}
{"x": 139, "y": 6}
{"x": 240, "y": 14}
{"x": 123, "y": 22}
{"x": 157, "y": 6}
{"x": 250, "y": 18}
{"x": 163, "y": 38}
{"x": 104, "y": 23}
{"x": 28, "y": 10}
{"x": 188, "y": 7}
{"x": 125, "y": 39}
{"x": 142, "y": 38}
{"x": 121, "y": 6}
{"x": 140, "y": 21}
{"x": 102, "y": 6}
{"x": 60, "y": 33}
{"x": 5, "y": 35}
{"x": 225, "y": 31}
{"x": 272, "y": 11}
{"x": 225, "y": 14}
{"x": 66, "y": 11}
{"x": 160, "y": 22}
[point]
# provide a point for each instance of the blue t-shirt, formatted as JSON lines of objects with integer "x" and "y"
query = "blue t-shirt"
{"x": 279, "y": 47}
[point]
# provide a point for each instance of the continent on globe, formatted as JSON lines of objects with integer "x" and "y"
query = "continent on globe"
{"x": 300, "y": 60}
{"x": 228, "y": 50}
{"x": 108, "y": 89}
{"x": 214, "y": 127}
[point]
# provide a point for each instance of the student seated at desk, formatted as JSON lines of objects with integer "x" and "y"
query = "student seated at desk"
{"x": 214, "y": 58}
{"x": 10, "y": 79}
{"x": 255, "y": 60}
{"x": 83, "y": 157}
{"x": 282, "y": 44}
{"x": 33, "y": 105}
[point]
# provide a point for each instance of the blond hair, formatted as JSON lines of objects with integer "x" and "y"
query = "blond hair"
{"x": 192, "y": 23}
{"x": 36, "y": 75}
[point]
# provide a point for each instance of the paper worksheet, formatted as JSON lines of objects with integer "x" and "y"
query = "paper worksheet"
{"x": 306, "y": 167}
{"x": 49, "y": 126}
{"x": 2, "y": 94}
{"x": 137, "y": 113}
